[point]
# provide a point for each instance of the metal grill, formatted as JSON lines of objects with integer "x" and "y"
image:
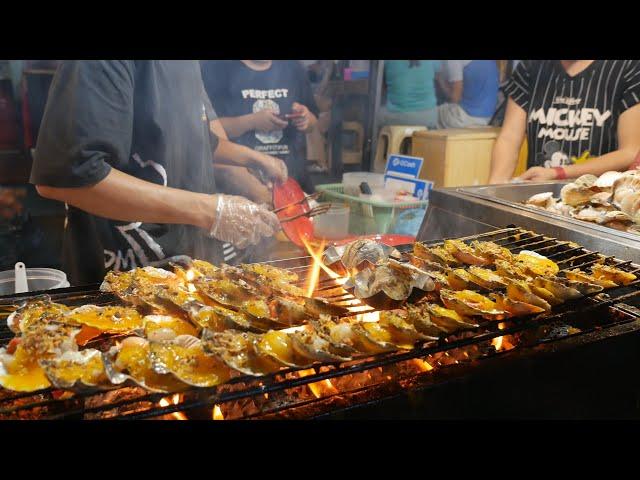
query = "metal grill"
{"x": 259, "y": 397}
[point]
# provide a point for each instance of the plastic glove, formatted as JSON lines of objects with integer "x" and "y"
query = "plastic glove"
{"x": 241, "y": 222}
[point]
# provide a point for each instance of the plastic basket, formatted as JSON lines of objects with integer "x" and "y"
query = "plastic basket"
{"x": 367, "y": 216}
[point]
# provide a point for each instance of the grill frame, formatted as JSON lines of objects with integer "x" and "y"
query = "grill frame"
{"x": 278, "y": 382}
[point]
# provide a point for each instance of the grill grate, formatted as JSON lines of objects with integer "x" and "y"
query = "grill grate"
{"x": 44, "y": 404}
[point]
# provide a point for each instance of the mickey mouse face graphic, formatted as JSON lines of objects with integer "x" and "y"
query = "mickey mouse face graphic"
{"x": 552, "y": 155}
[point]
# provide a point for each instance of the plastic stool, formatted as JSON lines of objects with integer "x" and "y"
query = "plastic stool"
{"x": 393, "y": 139}
{"x": 353, "y": 156}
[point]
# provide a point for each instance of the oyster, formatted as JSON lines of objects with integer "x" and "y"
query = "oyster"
{"x": 607, "y": 272}
{"x": 468, "y": 302}
{"x": 188, "y": 362}
{"x": 515, "y": 307}
{"x": 130, "y": 360}
{"x": 445, "y": 319}
{"x": 20, "y": 371}
{"x": 77, "y": 370}
{"x": 465, "y": 254}
{"x": 541, "y": 200}
{"x": 238, "y": 351}
{"x": 486, "y": 278}
{"x": 519, "y": 290}
{"x": 278, "y": 345}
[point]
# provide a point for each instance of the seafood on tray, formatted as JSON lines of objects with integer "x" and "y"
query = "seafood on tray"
{"x": 358, "y": 255}
{"x": 612, "y": 200}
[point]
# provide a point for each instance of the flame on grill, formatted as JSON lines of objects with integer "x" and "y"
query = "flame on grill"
{"x": 314, "y": 273}
{"x": 422, "y": 365}
{"x": 216, "y": 413}
{"x": 317, "y": 259}
{"x": 317, "y": 388}
{"x": 175, "y": 400}
{"x": 502, "y": 343}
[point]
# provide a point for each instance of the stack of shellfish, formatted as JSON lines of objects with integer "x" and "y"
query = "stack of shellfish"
{"x": 612, "y": 200}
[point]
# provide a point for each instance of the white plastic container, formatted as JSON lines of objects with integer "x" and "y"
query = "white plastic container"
{"x": 37, "y": 279}
{"x": 333, "y": 225}
{"x": 352, "y": 181}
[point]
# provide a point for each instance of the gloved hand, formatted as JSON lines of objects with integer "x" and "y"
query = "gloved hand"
{"x": 242, "y": 222}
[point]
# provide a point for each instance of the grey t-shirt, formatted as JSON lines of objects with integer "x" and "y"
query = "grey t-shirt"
{"x": 149, "y": 119}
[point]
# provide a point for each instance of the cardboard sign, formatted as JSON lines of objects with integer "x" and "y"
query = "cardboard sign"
{"x": 403, "y": 166}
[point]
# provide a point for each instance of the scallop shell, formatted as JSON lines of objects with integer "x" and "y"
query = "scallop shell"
{"x": 465, "y": 254}
{"x": 589, "y": 214}
{"x": 308, "y": 343}
{"x": 77, "y": 370}
{"x": 607, "y": 179}
{"x": 186, "y": 360}
{"x": 21, "y": 372}
{"x": 577, "y": 274}
{"x": 358, "y": 255}
{"x": 515, "y": 307}
{"x": 468, "y": 302}
{"x": 278, "y": 345}
{"x": 486, "y": 278}
{"x": 607, "y": 272}
{"x": 446, "y": 319}
{"x": 435, "y": 254}
{"x": 541, "y": 200}
{"x": 574, "y": 194}
{"x": 519, "y": 290}
{"x": 557, "y": 288}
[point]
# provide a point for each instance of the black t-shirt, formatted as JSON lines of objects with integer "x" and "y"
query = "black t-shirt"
{"x": 149, "y": 119}
{"x": 235, "y": 90}
{"x": 568, "y": 116}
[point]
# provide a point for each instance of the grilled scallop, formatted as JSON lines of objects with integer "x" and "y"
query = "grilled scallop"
{"x": 459, "y": 279}
{"x": 510, "y": 270}
{"x": 40, "y": 309}
{"x": 486, "y": 278}
{"x": 309, "y": 344}
{"x": 465, "y": 254}
{"x": 338, "y": 334}
{"x": 467, "y": 302}
{"x": 491, "y": 250}
{"x": 130, "y": 361}
{"x": 186, "y": 359}
{"x": 515, "y": 307}
{"x": 238, "y": 351}
{"x": 434, "y": 254}
{"x": 77, "y": 370}
{"x": 557, "y": 288}
{"x": 534, "y": 264}
{"x": 607, "y": 272}
{"x": 371, "y": 337}
{"x": 278, "y": 345}
{"x": 111, "y": 319}
{"x": 446, "y": 319}
{"x": 519, "y": 290}
{"x": 579, "y": 275}
{"x": 426, "y": 265}
{"x": 158, "y": 328}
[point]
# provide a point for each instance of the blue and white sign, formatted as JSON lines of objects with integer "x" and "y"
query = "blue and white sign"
{"x": 403, "y": 166}
{"x": 418, "y": 188}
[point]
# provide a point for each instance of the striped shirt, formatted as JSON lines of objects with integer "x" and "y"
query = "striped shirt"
{"x": 570, "y": 116}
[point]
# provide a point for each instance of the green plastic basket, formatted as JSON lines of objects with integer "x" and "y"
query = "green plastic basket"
{"x": 366, "y": 216}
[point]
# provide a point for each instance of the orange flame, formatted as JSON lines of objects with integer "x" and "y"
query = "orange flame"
{"x": 314, "y": 273}
{"x": 318, "y": 259}
{"x": 216, "y": 413}
{"x": 175, "y": 399}
{"x": 317, "y": 387}
{"x": 422, "y": 365}
{"x": 498, "y": 341}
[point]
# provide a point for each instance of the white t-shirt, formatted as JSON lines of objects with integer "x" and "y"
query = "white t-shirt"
{"x": 454, "y": 68}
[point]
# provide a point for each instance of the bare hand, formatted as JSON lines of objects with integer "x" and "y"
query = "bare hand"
{"x": 538, "y": 174}
{"x": 301, "y": 117}
{"x": 267, "y": 121}
{"x": 273, "y": 167}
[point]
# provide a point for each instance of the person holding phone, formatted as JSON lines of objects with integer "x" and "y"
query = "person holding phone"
{"x": 268, "y": 106}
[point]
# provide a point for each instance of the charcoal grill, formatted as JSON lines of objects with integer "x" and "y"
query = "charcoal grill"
{"x": 372, "y": 386}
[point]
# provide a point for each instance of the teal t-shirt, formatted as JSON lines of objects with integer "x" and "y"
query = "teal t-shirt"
{"x": 410, "y": 88}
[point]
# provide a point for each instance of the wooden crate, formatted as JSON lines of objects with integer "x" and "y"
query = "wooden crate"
{"x": 455, "y": 157}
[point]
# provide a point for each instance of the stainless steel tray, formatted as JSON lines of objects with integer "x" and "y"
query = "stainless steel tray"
{"x": 515, "y": 194}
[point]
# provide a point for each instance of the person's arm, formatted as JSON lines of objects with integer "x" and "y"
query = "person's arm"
{"x": 120, "y": 196}
{"x": 504, "y": 157}
{"x": 620, "y": 159}
{"x": 229, "y": 153}
{"x": 452, "y": 84}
